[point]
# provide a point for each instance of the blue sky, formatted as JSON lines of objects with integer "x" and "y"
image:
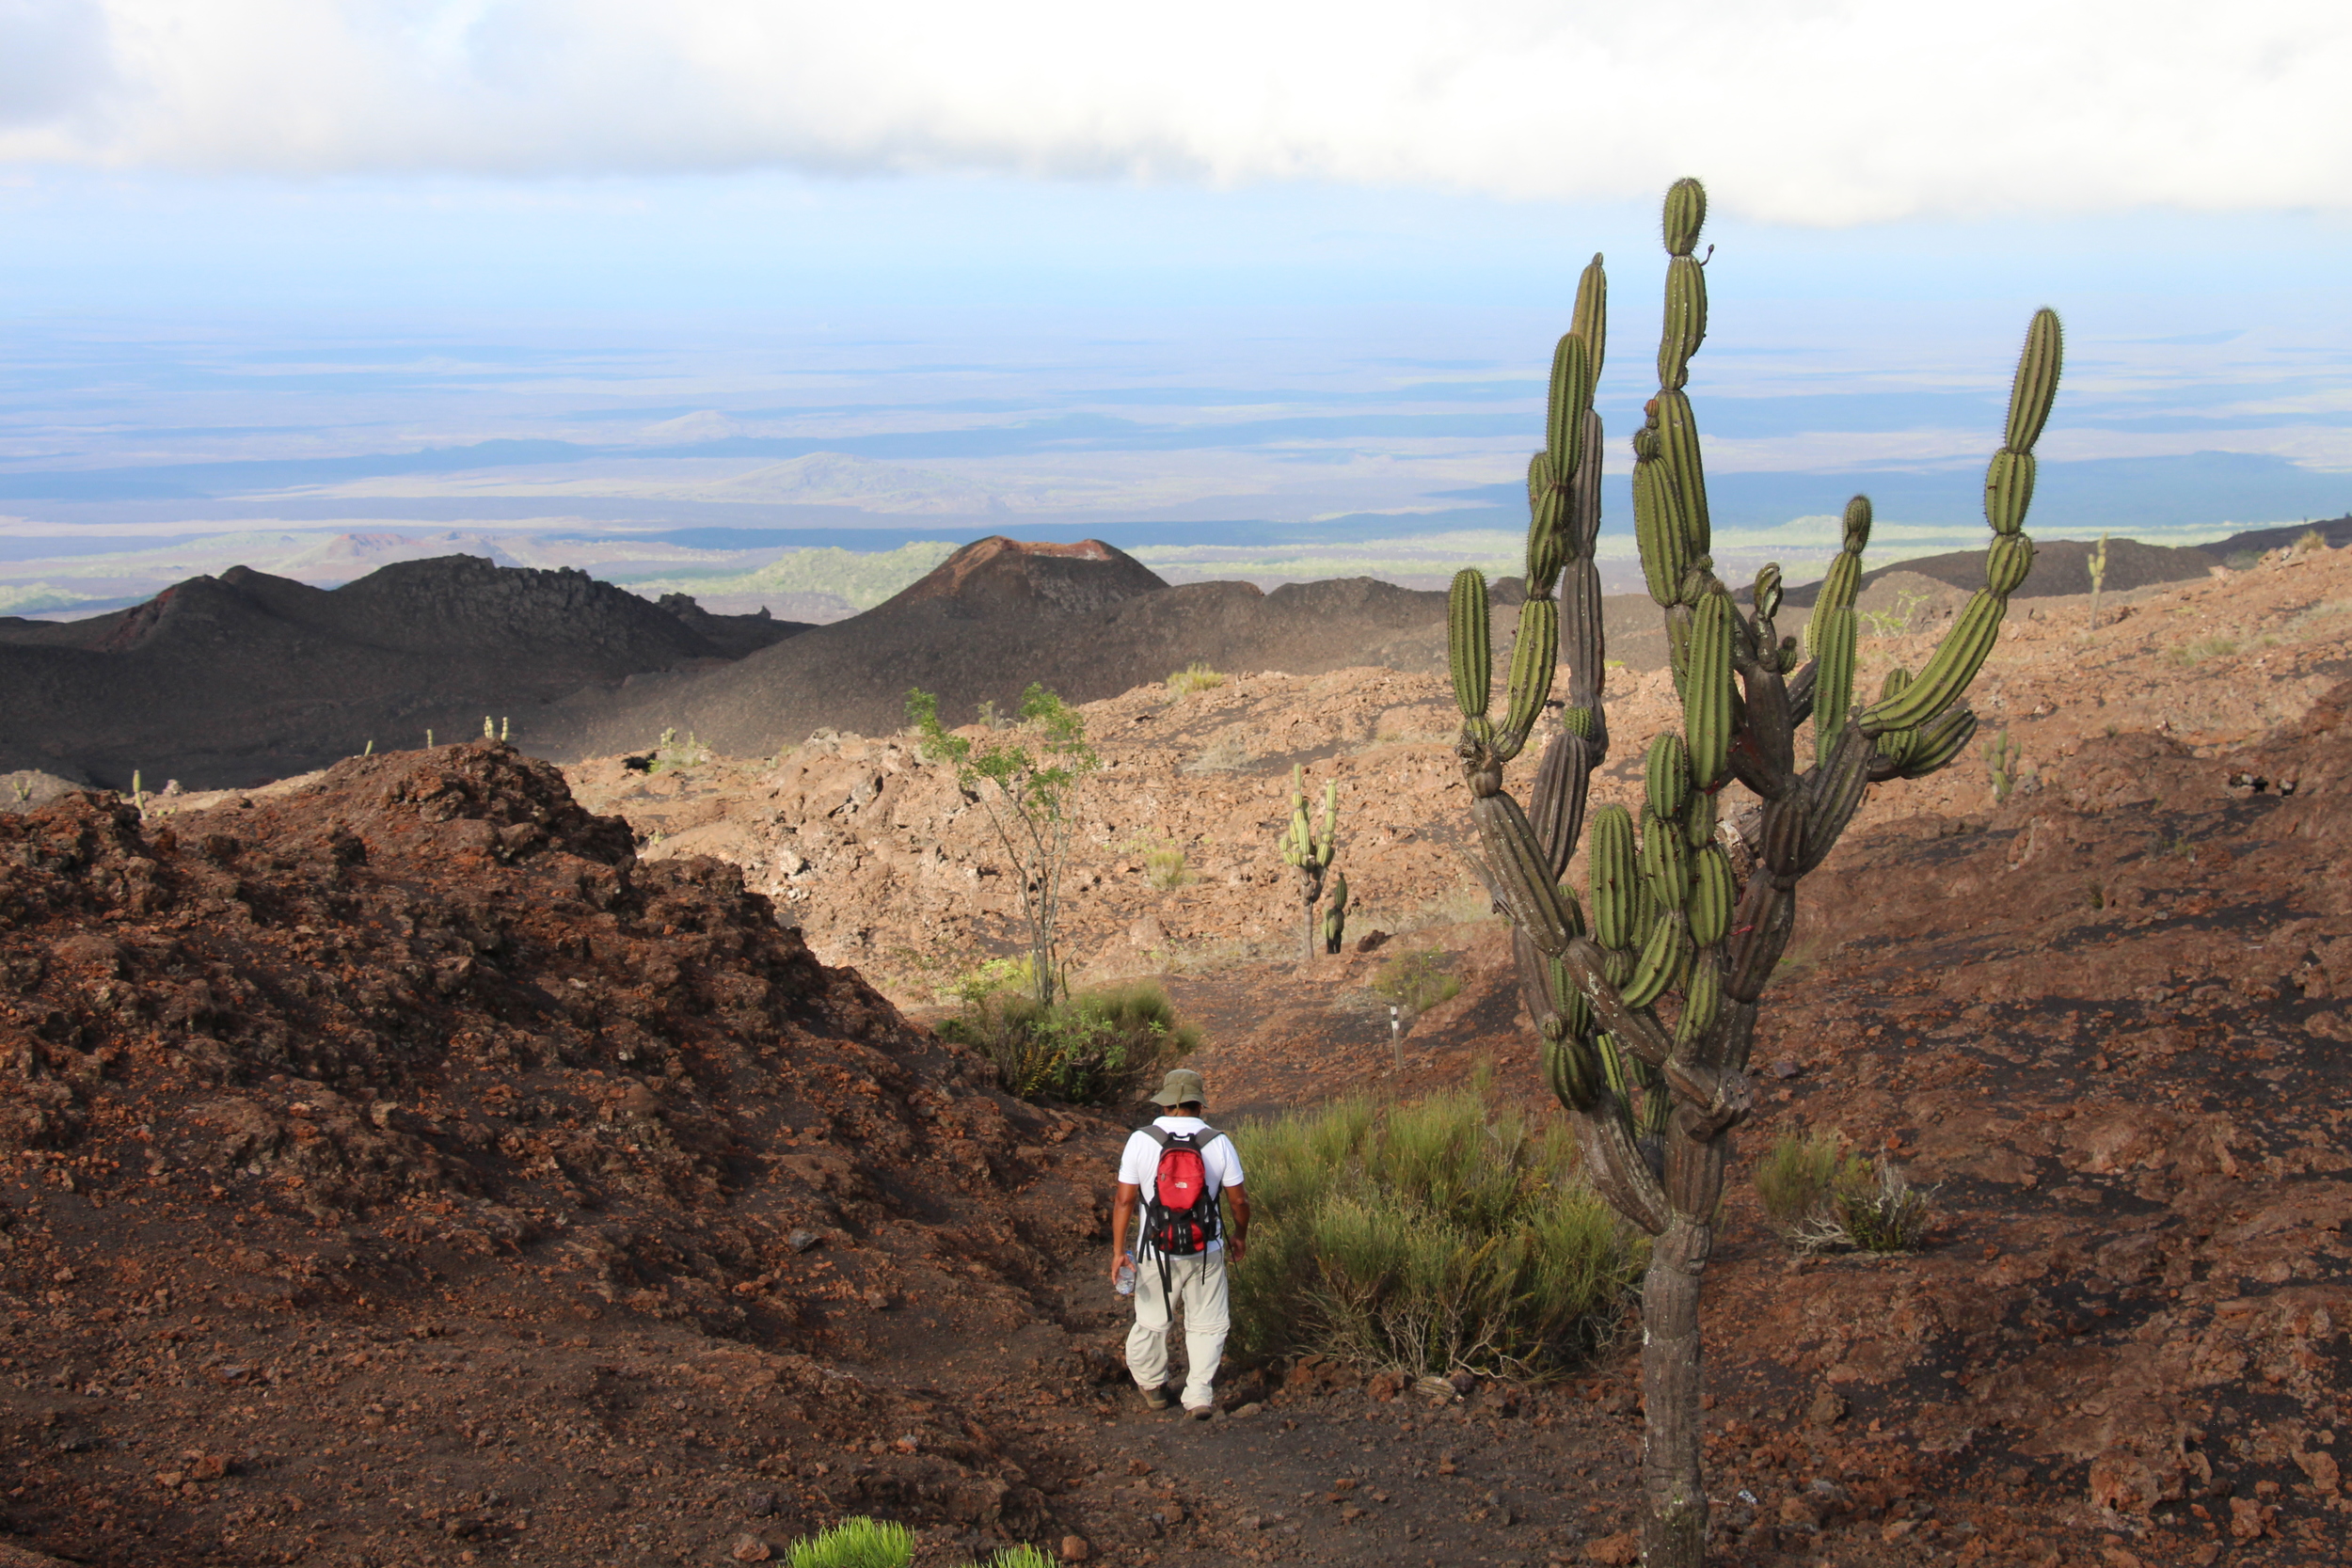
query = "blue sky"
{"x": 1282, "y": 266}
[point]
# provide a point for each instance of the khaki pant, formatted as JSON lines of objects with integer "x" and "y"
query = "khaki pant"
{"x": 1197, "y": 1285}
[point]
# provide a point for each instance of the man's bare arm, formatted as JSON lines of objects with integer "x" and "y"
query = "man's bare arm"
{"x": 1237, "y": 1239}
{"x": 1123, "y": 1215}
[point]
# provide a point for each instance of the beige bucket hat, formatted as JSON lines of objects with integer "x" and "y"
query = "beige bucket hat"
{"x": 1184, "y": 1087}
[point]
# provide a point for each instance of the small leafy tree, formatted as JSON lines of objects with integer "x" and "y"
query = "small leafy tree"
{"x": 1029, "y": 794}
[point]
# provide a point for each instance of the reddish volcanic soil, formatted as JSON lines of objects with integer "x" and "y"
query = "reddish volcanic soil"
{"x": 406, "y": 1166}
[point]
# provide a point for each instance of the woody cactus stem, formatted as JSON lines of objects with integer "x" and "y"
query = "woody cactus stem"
{"x": 1647, "y": 1011}
{"x": 1310, "y": 854}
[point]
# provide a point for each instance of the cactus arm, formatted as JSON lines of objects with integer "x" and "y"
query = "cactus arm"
{"x": 1614, "y": 1164}
{"x": 2008, "y": 493}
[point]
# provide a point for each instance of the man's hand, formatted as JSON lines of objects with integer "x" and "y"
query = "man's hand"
{"x": 1123, "y": 1201}
{"x": 1236, "y": 1248}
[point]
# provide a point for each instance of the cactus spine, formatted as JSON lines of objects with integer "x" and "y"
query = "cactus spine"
{"x": 1646, "y": 1022}
{"x": 1311, "y": 853}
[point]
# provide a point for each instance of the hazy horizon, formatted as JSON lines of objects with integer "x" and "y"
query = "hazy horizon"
{"x": 416, "y": 269}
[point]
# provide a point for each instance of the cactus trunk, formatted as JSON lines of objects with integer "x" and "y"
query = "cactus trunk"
{"x": 1653, "y": 1102}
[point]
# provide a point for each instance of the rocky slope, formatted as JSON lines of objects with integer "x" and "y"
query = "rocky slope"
{"x": 885, "y": 865}
{"x": 396, "y": 1168}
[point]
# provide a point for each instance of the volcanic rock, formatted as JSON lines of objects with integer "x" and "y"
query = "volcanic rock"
{"x": 335, "y": 1122}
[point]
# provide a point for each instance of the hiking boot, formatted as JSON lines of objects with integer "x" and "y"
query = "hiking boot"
{"x": 1157, "y": 1398}
{"x": 1199, "y": 1412}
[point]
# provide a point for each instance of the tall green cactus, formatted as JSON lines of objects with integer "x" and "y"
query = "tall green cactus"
{"x": 2001, "y": 756}
{"x": 1335, "y": 917}
{"x": 2097, "y": 561}
{"x": 1309, "y": 853}
{"x": 1648, "y": 1012}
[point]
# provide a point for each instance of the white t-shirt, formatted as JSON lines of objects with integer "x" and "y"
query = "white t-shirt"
{"x": 1139, "y": 1161}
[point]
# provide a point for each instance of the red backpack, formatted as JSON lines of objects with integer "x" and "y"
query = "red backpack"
{"x": 1184, "y": 1216}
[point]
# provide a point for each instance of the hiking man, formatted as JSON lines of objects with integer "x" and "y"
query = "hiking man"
{"x": 1177, "y": 1168}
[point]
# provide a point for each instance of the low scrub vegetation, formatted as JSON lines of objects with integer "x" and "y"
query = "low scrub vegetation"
{"x": 861, "y": 1542}
{"x": 1163, "y": 866}
{"x": 1415, "y": 980}
{"x": 1821, "y": 1202}
{"x": 1221, "y": 755}
{"x": 1793, "y": 1179}
{"x": 1194, "y": 677}
{"x": 670, "y": 753}
{"x": 1426, "y": 1236}
{"x": 2202, "y": 649}
{"x": 1094, "y": 1048}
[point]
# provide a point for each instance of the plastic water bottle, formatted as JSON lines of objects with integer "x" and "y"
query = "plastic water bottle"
{"x": 1124, "y": 1282}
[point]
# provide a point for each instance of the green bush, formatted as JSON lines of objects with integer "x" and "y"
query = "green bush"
{"x": 1020, "y": 1557}
{"x": 857, "y": 1543}
{"x": 1794, "y": 1178}
{"x": 1096, "y": 1048}
{"x": 1822, "y": 1203}
{"x": 1426, "y": 1236}
{"x": 1878, "y": 1209}
{"x": 1415, "y": 980}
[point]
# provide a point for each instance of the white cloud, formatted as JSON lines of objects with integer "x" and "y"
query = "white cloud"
{"x": 1806, "y": 111}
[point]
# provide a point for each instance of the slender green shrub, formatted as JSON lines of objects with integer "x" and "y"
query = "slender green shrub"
{"x": 855, "y": 1543}
{"x": 1095, "y": 1047}
{"x": 1415, "y": 980}
{"x": 1426, "y": 1236}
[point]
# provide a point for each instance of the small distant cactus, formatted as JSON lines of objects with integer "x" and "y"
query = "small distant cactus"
{"x": 1309, "y": 853}
{"x": 2001, "y": 755}
{"x": 2097, "y": 561}
{"x": 1335, "y": 918}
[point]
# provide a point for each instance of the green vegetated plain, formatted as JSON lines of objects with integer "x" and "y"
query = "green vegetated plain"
{"x": 862, "y": 578}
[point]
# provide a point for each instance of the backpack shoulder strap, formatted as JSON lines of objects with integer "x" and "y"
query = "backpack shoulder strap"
{"x": 1157, "y": 1134}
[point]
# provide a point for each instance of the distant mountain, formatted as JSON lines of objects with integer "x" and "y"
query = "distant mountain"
{"x": 245, "y": 677}
{"x": 1085, "y": 619}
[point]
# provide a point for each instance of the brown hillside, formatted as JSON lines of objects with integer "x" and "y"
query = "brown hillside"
{"x": 396, "y": 1168}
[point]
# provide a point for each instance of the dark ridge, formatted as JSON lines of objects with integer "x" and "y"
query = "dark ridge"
{"x": 2059, "y": 566}
{"x": 245, "y": 678}
{"x": 2336, "y": 531}
{"x": 732, "y": 635}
